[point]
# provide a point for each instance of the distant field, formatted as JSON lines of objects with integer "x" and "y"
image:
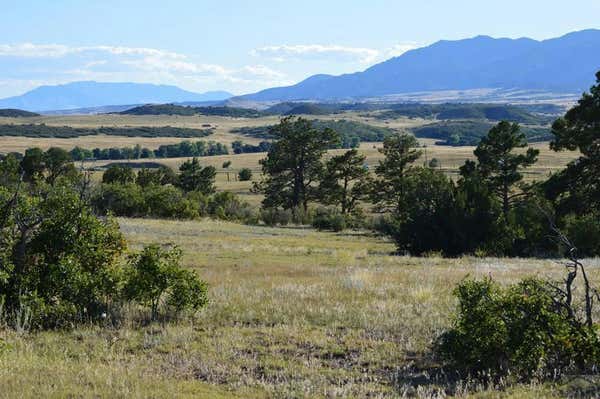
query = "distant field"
{"x": 451, "y": 158}
{"x": 222, "y": 128}
{"x": 293, "y": 313}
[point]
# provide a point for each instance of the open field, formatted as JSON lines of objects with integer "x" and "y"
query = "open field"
{"x": 451, "y": 158}
{"x": 293, "y": 313}
{"x": 222, "y": 125}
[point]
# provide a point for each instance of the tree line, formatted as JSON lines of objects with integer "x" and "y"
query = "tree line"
{"x": 43, "y": 130}
{"x": 489, "y": 210}
{"x": 185, "y": 148}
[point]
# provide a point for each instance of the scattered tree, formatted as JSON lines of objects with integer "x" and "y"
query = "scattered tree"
{"x": 293, "y": 165}
{"x": 156, "y": 273}
{"x": 245, "y": 174}
{"x": 194, "y": 177}
{"x": 389, "y": 189}
{"x": 345, "y": 181}
{"x": 498, "y": 164}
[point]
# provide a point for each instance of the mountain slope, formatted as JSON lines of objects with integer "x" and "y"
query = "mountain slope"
{"x": 16, "y": 113}
{"x": 96, "y": 94}
{"x": 565, "y": 64}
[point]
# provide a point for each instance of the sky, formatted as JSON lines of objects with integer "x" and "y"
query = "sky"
{"x": 245, "y": 46}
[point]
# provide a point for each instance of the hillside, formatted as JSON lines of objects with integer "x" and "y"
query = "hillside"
{"x": 470, "y": 132}
{"x": 492, "y": 112}
{"x": 479, "y": 62}
{"x": 351, "y": 133}
{"x": 45, "y": 131}
{"x": 173, "y": 109}
{"x": 16, "y": 113}
{"x": 96, "y": 94}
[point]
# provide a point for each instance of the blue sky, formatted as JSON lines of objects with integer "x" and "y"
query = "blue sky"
{"x": 244, "y": 46}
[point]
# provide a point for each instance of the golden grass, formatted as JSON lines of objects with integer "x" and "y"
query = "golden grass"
{"x": 293, "y": 313}
{"x": 451, "y": 158}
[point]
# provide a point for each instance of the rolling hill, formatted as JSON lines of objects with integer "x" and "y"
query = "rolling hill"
{"x": 174, "y": 109}
{"x": 16, "y": 113}
{"x": 97, "y": 94}
{"x": 566, "y": 65}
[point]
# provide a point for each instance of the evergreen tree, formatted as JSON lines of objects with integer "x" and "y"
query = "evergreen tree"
{"x": 194, "y": 177}
{"x": 345, "y": 181}
{"x": 293, "y": 165}
{"x": 400, "y": 153}
{"x": 577, "y": 188}
{"x": 498, "y": 163}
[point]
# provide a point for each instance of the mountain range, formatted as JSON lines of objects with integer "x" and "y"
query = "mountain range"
{"x": 566, "y": 65}
{"x": 481, "y": 67}
{"x": 98, "y": 94}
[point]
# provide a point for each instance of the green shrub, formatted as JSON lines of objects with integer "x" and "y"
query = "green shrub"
{"x": 584, "y": 232}
{"x": 275, "y": 216}
{"x": 300, "y": 216}
{"x": 155, "y": 274}
{"x": 120, "y": 200}
{"x": 329, "y": 219}
{"x": 521, "y": 330}
{"x": 227, "y": 206}
{"x": 168, "y": 202}
{"x": 245, "y": 174}
{"x": 61, "y": 266}
{"x": 188, "y": 292}
{"x": 118, "y": 174}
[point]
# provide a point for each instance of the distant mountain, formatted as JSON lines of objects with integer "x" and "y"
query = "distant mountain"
{"x": 111, "y": 109}
{"x": 566, "y": 65}
{"x": 16, "y": 113}
{"x": 97, "y": 94}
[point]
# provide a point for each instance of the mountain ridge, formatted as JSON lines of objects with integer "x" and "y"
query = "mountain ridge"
{"x": 466, "y": 64}
{"x": 90, "y": 94}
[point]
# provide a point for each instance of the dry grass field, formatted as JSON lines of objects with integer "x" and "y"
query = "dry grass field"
{"x": 293, "y": 313}
{"x": 222, "y": 125}
{"x": 451, "y": 158}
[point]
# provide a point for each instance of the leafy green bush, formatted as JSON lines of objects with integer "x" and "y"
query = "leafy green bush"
{"x": 245, "y": 174}
{"x": 120, "y": 200}
{"x": 584, "y": 232}
{"x": 328, "y": 219}
{"x": 276, "y": 216}
{"x": 155, "y": 274}
{"x": 227, "y": 206}
{"x": 118, "y": 174}
{"x": 58, "y": 261}
{"x": 168, "y": 202}
{"x": 522, "y": 330}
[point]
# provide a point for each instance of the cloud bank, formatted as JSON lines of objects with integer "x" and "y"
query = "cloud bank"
{"x": 24, "y": 66}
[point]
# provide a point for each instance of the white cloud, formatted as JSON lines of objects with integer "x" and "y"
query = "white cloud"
{"x": 60, "y": 63}
{"x": 283, "y": 52}
{"x": 25, "y": 65}
{"x": 31, "y": 50}
{"x": 399, "y": 49}
{"x": 263, "y": 71}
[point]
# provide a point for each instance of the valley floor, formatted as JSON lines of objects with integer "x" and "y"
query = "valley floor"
{"x": 293, "y": 313}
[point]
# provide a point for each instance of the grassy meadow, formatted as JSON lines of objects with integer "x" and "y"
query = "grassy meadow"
{"x": 293, "y": 313}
